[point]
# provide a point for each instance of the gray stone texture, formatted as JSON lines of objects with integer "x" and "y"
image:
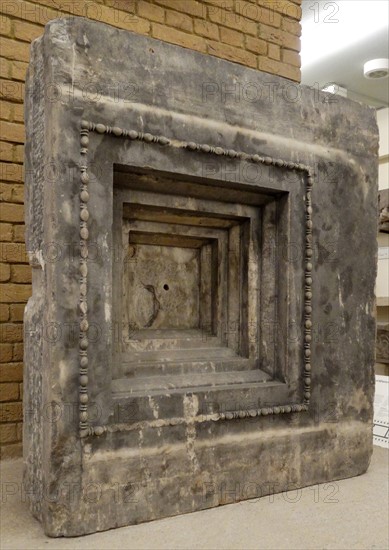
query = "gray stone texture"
{"x": 185, "y": 429}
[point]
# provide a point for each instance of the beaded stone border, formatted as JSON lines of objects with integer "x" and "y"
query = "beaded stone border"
{"x": 85, "y": 428}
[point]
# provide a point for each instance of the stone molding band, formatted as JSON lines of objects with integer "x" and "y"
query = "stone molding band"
{"x": 85, "y": 428}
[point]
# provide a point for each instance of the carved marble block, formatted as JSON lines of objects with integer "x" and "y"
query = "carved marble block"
{"x": 201, "y": 329}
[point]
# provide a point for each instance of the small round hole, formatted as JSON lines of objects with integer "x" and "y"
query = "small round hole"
{"x": 166, "y": 287}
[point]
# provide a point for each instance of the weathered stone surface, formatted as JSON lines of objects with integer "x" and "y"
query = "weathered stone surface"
{"x": 136, "y": 143}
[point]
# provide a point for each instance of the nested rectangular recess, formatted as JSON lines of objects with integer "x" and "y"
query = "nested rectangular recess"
{"x": 200, "y": 288}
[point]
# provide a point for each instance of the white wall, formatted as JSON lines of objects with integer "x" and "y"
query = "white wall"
{"x": 382, "y": 287}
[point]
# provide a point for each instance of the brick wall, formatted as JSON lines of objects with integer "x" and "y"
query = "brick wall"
{"x": 256, "y": 33}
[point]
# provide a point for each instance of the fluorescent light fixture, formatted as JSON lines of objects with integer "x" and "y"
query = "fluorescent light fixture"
{"x": 334, "y": 26}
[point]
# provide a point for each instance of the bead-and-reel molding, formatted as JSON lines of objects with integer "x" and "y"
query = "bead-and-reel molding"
{"x": 85, "y": 428}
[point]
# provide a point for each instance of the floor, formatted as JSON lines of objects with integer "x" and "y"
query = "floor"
{"x": 346, "y": 514}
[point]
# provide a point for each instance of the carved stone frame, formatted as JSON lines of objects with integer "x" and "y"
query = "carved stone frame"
{"x": 86, "y": 429}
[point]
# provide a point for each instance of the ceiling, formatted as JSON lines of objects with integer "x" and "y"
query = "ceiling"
{"x": 338, "y": 38}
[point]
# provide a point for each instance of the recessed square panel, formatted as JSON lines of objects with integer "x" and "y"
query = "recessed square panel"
{"x": 162, "y": 291}
{"x": 196, "y": 280}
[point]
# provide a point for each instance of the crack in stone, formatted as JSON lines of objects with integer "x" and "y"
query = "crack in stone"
{"x": 156, "y": 305}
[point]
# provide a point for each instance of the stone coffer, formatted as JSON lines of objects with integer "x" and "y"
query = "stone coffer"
{"x": 203, "y": 244}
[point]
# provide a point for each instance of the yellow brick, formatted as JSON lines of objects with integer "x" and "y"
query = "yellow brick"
{"x": 12, "y": 212}
{"x": 122, "y": 20}
{"x": 18, "y": 155}
{"x": 13, "y": 49}
{"x": 279, "y": 37}
{"x": 256, "y": 45}
{"x": 21, "y": 274}
{"x": 12, "y": 177}
{"x": 5, "y": 353}
{"x": 233, "y": 21}
{"x": 231, "y": 6}
{"x": 12, "y": 450}
{"x": 4, "y": 313}
{"x": 32, "y": 11}
{"x": 268, "y": 65}
{"x": 260, "y": 13}
{"x": 10, "y": 372}
{"x": 11, "y": 172}
{"x": 5, "y": 26}
{"x": 269, "y": 17}
{"x": 191, "y": 7}
{"x": 11, "y": 332}
{"x": 6, "y": 232}
{"x": 287, "y": 9}
{"x": 11, "y": 91}
{"x": 231, "y": 37}
{"x": 5, "y": 67}
{"x": 90, "y": 9}
{"x": 270, "y": 34}
{"x": 13, "y": 253}
{"x": 27, "y": 31}
{"x": 19, "y": 431}
{"x": 12, "y": 192}
{"x": 9, "y": 391}
{"x": 224, "y": 4}
{"x": 292, "y": 26}
{"x": 151, "y": 11}
{"x": 8, "y": 433}
{"x": 6, "y": 151}
{"x": 10, "y": 131}
{"x": 278, "y": 68}
{"x": 291, "y": 58}
{"x": 207, "y": 29}
{"x": 179, "y": 21}
{"x": 11, "y": 412}
{"x": 232, "y": 54}
{"x": 6, "y": 110}
{"x": 18, "y": 192}
{"x": 18, "y": 112}
{"x": 5, "y": 272}
{"x": 5, "y": 192}
{"x": 19, "y": 233}
{"x": 274, "y": 52}
{"x": 17, "y": 350}
{"x": 177, "y": 37}
{"x": 42, "y": 11}
{"x": 18, "y": 70}
{"x": 17, "y": 313}
{"x": 125, "y": 5}
{"x": 12, "y": 293}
